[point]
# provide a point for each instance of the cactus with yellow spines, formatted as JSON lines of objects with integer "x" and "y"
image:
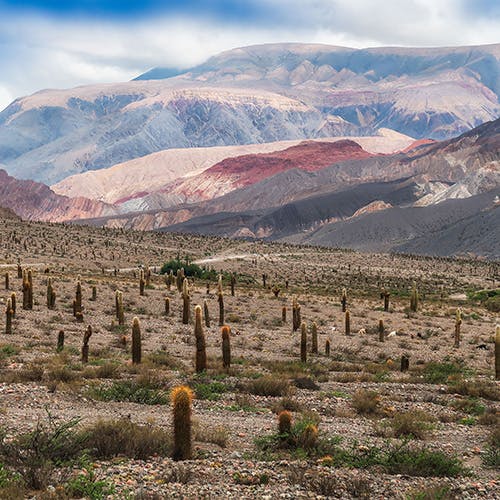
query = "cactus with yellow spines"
{"x": 284, "y": 423}
{"x": 182, "y": 398}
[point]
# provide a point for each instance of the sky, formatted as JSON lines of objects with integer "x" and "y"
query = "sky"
{"x": 61, "y": 43}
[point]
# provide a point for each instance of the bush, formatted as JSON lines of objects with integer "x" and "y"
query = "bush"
{"x": 210, "y": 391}
{"x": 190, "y": 269}
{"x": 491, "y": 456}
{"x": 366, "y": 402}
{"x": 111, "y": 438}
{"x": 414, "y": 424}
{"x": 268, "y": 386}
{"x": 475, "y": 389}
{"x": 85, "y": 485}
{"x": 441, "y": 373}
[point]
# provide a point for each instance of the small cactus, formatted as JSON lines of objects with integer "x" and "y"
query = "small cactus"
{"x": 142, "y": 283}
{"x": 13, "y": 302}
{"x": 167, "y": 306}
{"x": 385, "y": 295}
{"x": 314, "y": 338}
{"x": 458, "y": 322}
{"x": 78, "y": 298}
{"x": 51, "y": 295}
{"x": 327, "y": 348}
{"x": 221, "y": 301}
{"x": 283, "y": 314}
{"x": 284, "y": 423}
{"x": 226, "y": 347}
{"x": 303, "y": 343}
{"x": 7, "y": 281}
{"x": 201, "y": 353}
{"x": 94, "y": 293}
{"x": 347, "y": 323}
{"x": 405, "y": 363}
{"x": 136, "y": 341}
{"x": 85, "y": 346}
{"x": 120, "y": 316}
{"x": 296, "y": 318}
{"x": 381, "y": 330}
{"x": 233, "y": 282}
{"x": 182, "y": 397}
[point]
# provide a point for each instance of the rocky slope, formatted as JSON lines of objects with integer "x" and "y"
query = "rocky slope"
{"x": 35, "y": 201}
{"x": 252, "y": 95}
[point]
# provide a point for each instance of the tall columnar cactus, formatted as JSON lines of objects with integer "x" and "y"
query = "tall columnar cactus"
{"x": 27, "y": 290}
{"x": 314, "y": 338}
{"x": 19, "y": 272}
{"x": 182, "y": 398}
{"x": 347, "y": 323}
{"x": 226, "y": 347}
{"x": 180, "y": 279}
{"x": 233, "y": 282}
{"x": 206, "y": 314}
{"x": 147, "y": 275}
{"x": 201, "y": 353}
{"x": 327, "y": 347}
{"x": 458, "y": 322}
{"x": 120, "y": 315}
{"x": 296, "y": 317}
{"x": 60, "y": 341}
{"x": 167, "y": 306}
{"x": 381, "y": 330}
{"x": 142, "y": 283}
{"x": 186, "y": 302}
{"x": 13, "y": 301}
{"x": 220, "y": 299}
{"x": 497, "y": 352}
{"x": 303, "y": 343}
{"x": 51, "y": 295}
{"x": 343, "y": 300}
{"x": 414, "y": 298}
{"x": 78, "y": 298}
{"x": 136, "y": 341}
{"x": 284, "y": 423}
{"x": 8, "y": 317}
{"x": 385, "y": 295}
{"x": 264, "y": 280}
{"x": 94, "y": 293}
{"x": 85, "y": 346}
{"x": 283, "y": 314}
{"x": 7, "y": 281}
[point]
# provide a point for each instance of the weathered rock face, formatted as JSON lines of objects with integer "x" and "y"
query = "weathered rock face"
{"x": 35, "y": 201}
{"x": 252, "y": 95}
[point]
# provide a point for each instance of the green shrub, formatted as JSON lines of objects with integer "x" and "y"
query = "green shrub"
{"x": 210, "y": 391}
{"x": 440, "y": 373}
{"x": 85, "y": 485}
{"x": 140, "y": 391}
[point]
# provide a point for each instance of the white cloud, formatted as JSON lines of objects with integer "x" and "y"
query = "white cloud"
{"x": 39, "y": 52}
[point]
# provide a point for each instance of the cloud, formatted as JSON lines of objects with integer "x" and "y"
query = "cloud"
{"x": 53, "y": 45}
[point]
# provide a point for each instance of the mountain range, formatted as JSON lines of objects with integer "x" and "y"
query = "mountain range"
{"x": 376, "y": 149}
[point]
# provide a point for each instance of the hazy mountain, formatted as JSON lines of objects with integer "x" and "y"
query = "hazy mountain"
{"x": 252, "y": 95}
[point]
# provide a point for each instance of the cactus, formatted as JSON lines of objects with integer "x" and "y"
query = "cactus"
{"x": 206, "y": 314}
{"x": 78, "y": 299}
{"x": 142, "y": 283}
{"x": 343, "y": 300}
{"x": 381, "y": 330}
{"x": 79, "y": 317}
{"x": 284, "y": 423}
{"x": 497, "y": 352}
{"x": 347, "y": 323}
{"x": 264, "y": 280}
{"x": 414, "y": 298}
{"x": 221, "y": 301}
{"x": 167, "y": 306}
{"x": 283, "y": 314}
{"x": 309, "y": 436}
{"x": 186, "y": 301}
{"x": 19, "y": 272}
{"x": 7, "y": 283}
{"x": 233, "y": 282}
{"x": 13, "y": 301}
{"x": 327, "y": 347}
{"x": 8, "y": 317}
{"x": 314, "y": 338}
{"x": 458, "y": 322}
{"x": 120, "y": 316}
{"x": 180, "y": 279}
{"x": 182, "y": 397}
{"x": 136, "y": 341}
{"x": 60, "y": 341}
{"x": 201, "y": 353}
{"x": 303, "y": 343}
{"x": 94, "y": 293}
{"x": 51, "y": 295}
{"x": 385, "y": 295}
{"x": 226, "y": 347}
{"x": 405, "y": 363}
{"x": 148, "y": 276}
{"x": 296, "y": 318}
{"x": 85, "y": 346}
{"x": 27, "y": 290}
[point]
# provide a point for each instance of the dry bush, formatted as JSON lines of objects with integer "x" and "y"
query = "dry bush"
{"x": 366, "y": 402}
{"x": 268, "y": 386}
